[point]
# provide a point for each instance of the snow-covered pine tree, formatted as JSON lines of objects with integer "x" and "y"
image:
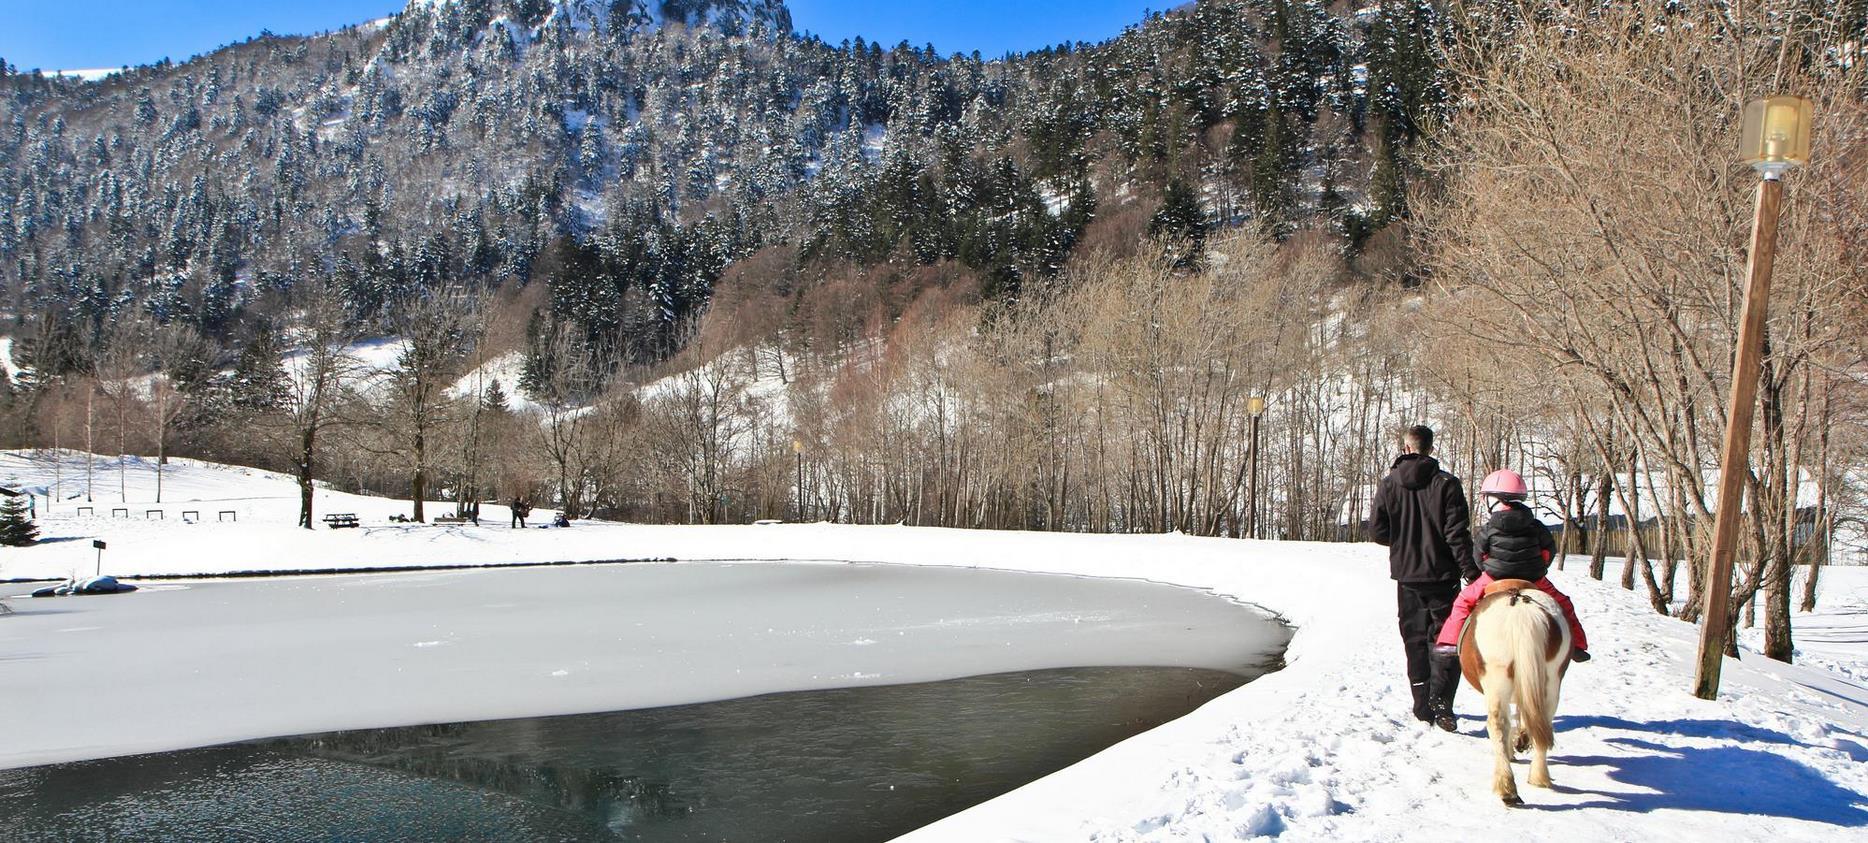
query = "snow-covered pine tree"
{"x": 494, "y": 399}
{"x": 16, "y": 527}
{"x": 535, "y": 373}
{"x": 1180, "y": 224}
{"x": 259, "y": 383}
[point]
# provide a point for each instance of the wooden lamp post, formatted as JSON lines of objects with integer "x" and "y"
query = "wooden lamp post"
{"x": 1776, "y": 138}
{"x": 1254, "y": 405}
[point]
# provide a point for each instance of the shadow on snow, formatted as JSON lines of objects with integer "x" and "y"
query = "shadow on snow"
{"x": 1721, "y": 779}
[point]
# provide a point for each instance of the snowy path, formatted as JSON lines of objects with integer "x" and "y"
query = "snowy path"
{"x": 1327, "y": 750}
{"x": 1324, "y": 749}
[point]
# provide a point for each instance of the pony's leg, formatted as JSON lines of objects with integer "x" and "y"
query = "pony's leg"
{"x": 1498, "y": 727}
{"x": 1540, "y": 766}
{"x": 1540, "y": 763}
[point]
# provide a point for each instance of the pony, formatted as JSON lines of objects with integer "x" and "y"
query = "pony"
{"x": 1515, "y": 650}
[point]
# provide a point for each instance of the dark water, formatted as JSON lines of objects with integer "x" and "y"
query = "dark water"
{"x": 856, "y": 764}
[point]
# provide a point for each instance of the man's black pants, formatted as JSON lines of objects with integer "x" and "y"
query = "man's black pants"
{"x": 1422, "y": 610}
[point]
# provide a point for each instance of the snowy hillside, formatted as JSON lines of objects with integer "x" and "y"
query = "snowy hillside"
{"x": 7, "y": 364}
{"x": 1324, "y": 749}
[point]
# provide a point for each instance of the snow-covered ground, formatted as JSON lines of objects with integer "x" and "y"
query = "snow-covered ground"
{"x": 1323, "y": 749}
{"x": 1835, "y": 636}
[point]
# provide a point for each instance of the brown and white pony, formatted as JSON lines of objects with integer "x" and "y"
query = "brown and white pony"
{"x": 1515, "y": 650}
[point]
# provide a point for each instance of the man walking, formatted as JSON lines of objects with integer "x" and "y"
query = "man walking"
{"x": 1420, "y": 513}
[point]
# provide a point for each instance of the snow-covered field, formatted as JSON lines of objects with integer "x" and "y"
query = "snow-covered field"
{"x": 1324, "y": 749}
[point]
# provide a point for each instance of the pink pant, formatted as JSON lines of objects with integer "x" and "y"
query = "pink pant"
{"x": 1469, "y": 597}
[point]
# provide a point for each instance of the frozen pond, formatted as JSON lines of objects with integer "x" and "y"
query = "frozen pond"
{"x": 855, "y": 764}
{"x": 186, "y": 665}
{"x": 639, "y": 702}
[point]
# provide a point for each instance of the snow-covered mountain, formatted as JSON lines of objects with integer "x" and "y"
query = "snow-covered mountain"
{"x": 625, "y": 152}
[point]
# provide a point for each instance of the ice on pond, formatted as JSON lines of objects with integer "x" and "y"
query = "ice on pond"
{"x": 235, "y": 660}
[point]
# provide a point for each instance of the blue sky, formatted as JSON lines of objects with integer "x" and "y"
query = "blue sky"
{"x": 72, "y": 34}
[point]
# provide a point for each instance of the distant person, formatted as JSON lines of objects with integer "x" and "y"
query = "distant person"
{"x": 1420, "y": 513}
{"x": 1513, "y": 545}
{"x": 560, "y": 521}
{"x": 519, "y": 511}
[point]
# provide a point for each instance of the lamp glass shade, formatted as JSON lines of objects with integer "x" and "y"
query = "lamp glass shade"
{"x": 1255, "y": 405}
{"x": 1777, "y": 132}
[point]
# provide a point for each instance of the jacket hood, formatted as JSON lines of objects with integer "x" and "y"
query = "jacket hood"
{"x": 1415, "y": 471}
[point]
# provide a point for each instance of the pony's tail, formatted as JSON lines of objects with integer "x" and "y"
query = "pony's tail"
{"x": 1529, "y": 627}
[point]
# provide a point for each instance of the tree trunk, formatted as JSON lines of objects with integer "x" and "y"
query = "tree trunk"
{"x": 1599, "y": 541}
{"x": 1634, "y": 549}
{"x": 418, "y": 486}
{"x": 1824, "y": 534}
{"x": 1777, "y": 502}
{"x": 1777, "y": 641}
{"x": 307, "y": 448}
{"x": 1823, "y": 524}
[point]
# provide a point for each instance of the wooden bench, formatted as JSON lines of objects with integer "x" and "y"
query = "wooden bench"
{"x": 340, "y": 520}
{"x": 450, "y": 519}
{"x": 228, "y": 515}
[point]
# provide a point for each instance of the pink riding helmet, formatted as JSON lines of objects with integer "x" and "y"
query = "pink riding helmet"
{"x": 1504, "y": 483}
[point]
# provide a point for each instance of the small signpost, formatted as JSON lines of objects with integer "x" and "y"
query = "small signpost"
{"x": 99, "y": 544}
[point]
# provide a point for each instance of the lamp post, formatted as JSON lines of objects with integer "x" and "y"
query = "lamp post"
{"x": 1776, "y": 137}
{"x": 1256, "y": 406}
{"x": 797, "y": 448}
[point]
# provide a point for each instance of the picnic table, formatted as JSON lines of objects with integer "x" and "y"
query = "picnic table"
{"x": 340, "y": 520}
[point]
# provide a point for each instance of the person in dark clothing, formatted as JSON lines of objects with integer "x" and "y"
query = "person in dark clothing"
{"x": 1420, "y": 513}
{"x": 520, "y": 509}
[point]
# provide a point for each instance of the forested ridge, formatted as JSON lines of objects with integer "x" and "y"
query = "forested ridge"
{"x": 624, "y": 156}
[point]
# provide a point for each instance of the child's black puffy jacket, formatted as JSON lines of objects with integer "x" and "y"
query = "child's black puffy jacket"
{"x": 1514, "y": 545}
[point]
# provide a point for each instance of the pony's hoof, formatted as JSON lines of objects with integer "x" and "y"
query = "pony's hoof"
{"x": 1512, "y": 801}
{"x": 1544, "y": 782}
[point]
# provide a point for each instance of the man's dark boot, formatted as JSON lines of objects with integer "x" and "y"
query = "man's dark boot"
{"x": 1423, "y": 702}
{"x": 1445, "y": 682}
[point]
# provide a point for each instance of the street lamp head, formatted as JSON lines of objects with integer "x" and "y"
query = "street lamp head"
{"x": 1776, "y": 134}
{"x": 1255, "y": 405}
{"x": 797, "y": 446}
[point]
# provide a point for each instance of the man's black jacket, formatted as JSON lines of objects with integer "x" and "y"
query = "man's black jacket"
{"x": 1420, "y": 514}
